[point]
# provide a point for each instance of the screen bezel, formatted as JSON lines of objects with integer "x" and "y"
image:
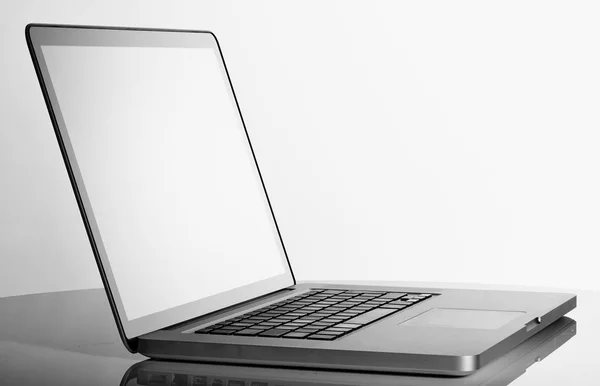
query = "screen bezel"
{"x": 39, "y": 35}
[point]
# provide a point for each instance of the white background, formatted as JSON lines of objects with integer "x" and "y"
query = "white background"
{"x": 437, "y": 141}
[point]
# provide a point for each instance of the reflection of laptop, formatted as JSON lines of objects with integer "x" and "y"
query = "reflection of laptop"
{"x": 500, "y": 372}
{"x": 184, "y": 234}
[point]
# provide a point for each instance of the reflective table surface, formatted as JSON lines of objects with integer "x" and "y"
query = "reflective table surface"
{"x": 69, "y": 338}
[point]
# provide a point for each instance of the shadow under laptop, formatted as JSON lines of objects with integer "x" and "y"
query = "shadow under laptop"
{"x": 502, "y": 371}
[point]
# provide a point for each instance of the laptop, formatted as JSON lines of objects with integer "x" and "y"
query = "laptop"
{"x": 186, "y": 240}
{"x": 500, "y": 372}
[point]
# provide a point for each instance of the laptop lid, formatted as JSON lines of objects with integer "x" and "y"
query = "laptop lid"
{"x": 162, "y": 169}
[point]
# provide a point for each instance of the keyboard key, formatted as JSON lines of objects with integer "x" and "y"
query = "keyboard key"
{"x": 304, "y": 320}
{"x": 334, "y": 331}
{"x": 286, "y": 317}
{"x": 348, "y": 325}
{"x": 336, "y": 328}
{"x": 240, "y": 324}
{"x": 311, "y": 308}
{"x": 305, "y": 330}
{"x": 379, "y": 301}
{"x": 295, "y": 324}
{"x": 360, "y": 308}
{"x": 264, "y": 326}
{"x": 255, "y": 319}
{"x": 221, "y": 331}
{"x": 322, "y": 337}
{"x": 270, "y": 323}
{"x": 325, "y": 324}
{"x": 330, "y": 312}
{"x": 331, "y": 319}
{"x": 274, "y": 332}
{"x": 249, "y": 332}
{"x": 286, "y": 327}
{"x": 297, "y": 335}
{"x": 401, "y": 303}
{"x": 295, "y": 314}
{"x": 343, "y": 318}
{"x": 312, "y": 328}
{"x": 354, "y": 312}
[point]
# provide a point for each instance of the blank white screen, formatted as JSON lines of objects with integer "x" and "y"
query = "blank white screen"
{"x": 168, "y": 172}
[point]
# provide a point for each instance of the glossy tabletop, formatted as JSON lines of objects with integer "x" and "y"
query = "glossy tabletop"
{"x": 69, "y": 338}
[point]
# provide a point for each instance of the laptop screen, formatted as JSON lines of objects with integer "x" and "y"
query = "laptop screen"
{"x": 169, "y": 174}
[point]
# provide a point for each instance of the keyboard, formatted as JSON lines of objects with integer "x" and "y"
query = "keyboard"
{"x": 319, "y": 314}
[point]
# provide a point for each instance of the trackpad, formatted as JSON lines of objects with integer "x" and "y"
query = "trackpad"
{"x": 459, "y": 318}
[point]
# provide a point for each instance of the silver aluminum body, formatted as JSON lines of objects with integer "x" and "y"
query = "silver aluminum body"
{"x": 384, "y": 346}
{"x": 500, "y": 372}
